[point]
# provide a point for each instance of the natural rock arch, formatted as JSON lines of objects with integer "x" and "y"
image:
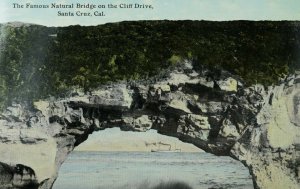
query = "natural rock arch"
{"x": 215, "y": 113}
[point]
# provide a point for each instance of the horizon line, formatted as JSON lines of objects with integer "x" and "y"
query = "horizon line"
{"x": 203, "y": 20}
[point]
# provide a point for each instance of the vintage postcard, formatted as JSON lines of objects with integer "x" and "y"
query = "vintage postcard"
{"x": 149, "y": 94}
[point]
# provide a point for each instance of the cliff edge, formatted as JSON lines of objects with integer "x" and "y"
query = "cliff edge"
{"x": 256, "y": 125}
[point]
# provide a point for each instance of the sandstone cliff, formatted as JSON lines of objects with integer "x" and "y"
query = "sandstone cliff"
{"x": 256, "y": 125}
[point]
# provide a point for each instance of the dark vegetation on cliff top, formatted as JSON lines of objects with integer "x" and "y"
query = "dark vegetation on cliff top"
{"x": 37, "y": 61}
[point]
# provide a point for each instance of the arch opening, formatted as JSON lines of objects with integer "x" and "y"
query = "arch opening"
{"x": 116, "y": 159}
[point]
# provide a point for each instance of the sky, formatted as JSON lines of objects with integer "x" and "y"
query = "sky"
{"x": 216, "y": 10}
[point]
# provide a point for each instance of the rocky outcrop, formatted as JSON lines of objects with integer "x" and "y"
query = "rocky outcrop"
{"x": 257, "y": 126}
{"x": 270, "y": 148}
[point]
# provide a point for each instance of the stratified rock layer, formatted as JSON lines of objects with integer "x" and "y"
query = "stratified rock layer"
{"x": 257, "y": 126}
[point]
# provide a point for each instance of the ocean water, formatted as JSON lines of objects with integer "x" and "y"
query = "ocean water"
{"x": 145, "y": 170}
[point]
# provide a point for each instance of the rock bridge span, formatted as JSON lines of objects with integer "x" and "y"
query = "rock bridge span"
{"x": 257, "y": 126}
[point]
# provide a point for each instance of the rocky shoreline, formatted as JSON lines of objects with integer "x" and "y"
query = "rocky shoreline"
{"x": 255, "y": 125}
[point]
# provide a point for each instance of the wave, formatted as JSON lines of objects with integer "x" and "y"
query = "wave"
{"x": 161, "y": 185}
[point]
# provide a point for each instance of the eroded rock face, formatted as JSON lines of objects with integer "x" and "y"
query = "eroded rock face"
{"x": 216, "y": 113}
{"x": 271, "y": 148}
